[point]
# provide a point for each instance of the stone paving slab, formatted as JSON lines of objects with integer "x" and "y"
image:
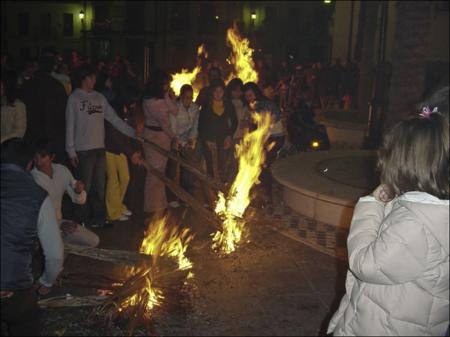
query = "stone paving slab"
{"x": 271, "y": 285}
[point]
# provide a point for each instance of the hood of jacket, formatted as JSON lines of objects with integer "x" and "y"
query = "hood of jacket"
{"x": 434, "y": 213}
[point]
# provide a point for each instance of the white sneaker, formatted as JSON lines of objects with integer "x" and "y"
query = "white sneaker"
{"x": 123, "y": 218}
{"x": 127, "y": 212}
{"x": 174, "y": 204}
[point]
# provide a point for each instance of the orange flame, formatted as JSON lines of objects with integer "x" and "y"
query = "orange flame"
{"x": 231, "y": 209}
{"x": 186, "y": 77}
{"x": 241, "y": 57}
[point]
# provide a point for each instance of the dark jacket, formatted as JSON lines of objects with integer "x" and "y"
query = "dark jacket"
{"x": 21, "y": 199}
{"x": 215, "y": 128}
{"x": 45, "y": 100}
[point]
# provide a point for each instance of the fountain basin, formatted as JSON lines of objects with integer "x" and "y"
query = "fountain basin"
{"x": 326, "y": 185}
{"x": 344, "y": 128}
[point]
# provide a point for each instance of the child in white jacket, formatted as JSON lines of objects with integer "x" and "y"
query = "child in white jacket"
{"x": 398, "y": 245}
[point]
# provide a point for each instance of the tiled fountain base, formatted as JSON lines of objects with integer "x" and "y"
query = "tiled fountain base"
{"x": 323, "y": 237}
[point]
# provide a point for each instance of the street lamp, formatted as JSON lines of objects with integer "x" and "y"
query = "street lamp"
{"x": 253, "y": 16}
{"x": 81, "y": 15}
{"x": 327, "y": 1}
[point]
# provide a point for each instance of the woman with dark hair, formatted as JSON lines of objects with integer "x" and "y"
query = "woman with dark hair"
{"x": 13, "y": 112}
{"x": 158, "y": 103}
{"x": 216, "y": 126}
{"x": 256, "y": 102}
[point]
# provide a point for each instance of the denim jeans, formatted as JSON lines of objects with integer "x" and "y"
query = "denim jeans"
{"x": 92, "y": 172}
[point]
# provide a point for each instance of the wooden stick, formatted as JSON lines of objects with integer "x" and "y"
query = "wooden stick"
{"x": 163, "y": 280}
{"x": 116, "y": 256}
{"x": 197, "y": 170}
{"x": 187, "y": 198}
{"x": 72, "y": 301}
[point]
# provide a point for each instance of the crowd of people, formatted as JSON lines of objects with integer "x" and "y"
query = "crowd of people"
{"x": 76, "y": 149}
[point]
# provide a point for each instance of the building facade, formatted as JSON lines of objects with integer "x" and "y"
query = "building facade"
{"x": 166, "y": 33}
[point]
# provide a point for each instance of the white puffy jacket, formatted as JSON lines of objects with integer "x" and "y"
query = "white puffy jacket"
{"x": 398, "y": 278}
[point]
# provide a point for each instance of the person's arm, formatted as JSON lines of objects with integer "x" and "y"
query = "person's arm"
{"x": 173, "y": 123}
{"x": 20, "y": 123}
{"x": 70, "y": 128}
{"x": 233, "y": 119}
{"x": 51, "y": 242}
{"x": 117, "y": 122}
{"x": 203, "y": 124}
{"x": 194, "y": 130}
{"x": 171, "y": 104}
{"x": 397, "y": 255}
{"x": 276, "y": 112}
{"x": 74, "y": 188}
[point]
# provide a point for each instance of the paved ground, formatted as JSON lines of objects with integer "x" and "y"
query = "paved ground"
{"x": 271, "y": 285}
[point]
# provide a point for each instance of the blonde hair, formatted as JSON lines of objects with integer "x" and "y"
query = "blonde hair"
{"x": 414, "y": 156}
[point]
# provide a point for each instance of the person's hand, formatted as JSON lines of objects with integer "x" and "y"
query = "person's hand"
{"x": 41, "y": 289}
{"x": 74, "y": 161}
{"x": 210, "y": 145}
{"x": 227, "y": 143}
{"x": 171, "y": 94}
{"x": 382, "y": 193}
{"x": 136, "y": 158}
{"x": 69, "y": 227}
{"x": 141, "y": 161}
{"x": 176, "y": 143}
{"x": 191, "y": 144}
{"x": 79, "y": 187}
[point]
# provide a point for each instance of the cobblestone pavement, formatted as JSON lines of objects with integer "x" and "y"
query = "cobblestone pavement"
{"x": 271, "y": 285}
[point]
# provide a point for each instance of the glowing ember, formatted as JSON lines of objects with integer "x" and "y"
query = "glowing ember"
{"x": 186, "y": 77}
{"x": 159, "y": 240}
{"x": 241, "y": 57}
{"x": 147, "y": 295}
{"x": 251, "y": 158}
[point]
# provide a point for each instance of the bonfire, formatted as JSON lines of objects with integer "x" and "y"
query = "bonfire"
{"x": 241, "y": 57}
{"x": 189, "y": 77}
{"x": 144, "y": 288}
{"x": 231, "y": 209}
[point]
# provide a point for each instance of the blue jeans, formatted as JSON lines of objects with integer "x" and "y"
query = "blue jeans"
{"x": 92, "y": 172}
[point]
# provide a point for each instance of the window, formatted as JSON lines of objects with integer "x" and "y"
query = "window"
{"x": 271, "y": 15}
{"x": 25, "y": 53}
{"x": 293, "y": 19}
{"x": 207, "y": 21}
{"x": 46, "y": 24}
{"x": 180, "y": 17}
{"x": 102, "y": 48}
{"x": 24, "y": 23}
{"x": 68, "y": 24}
{"x": 4, "y": 22}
